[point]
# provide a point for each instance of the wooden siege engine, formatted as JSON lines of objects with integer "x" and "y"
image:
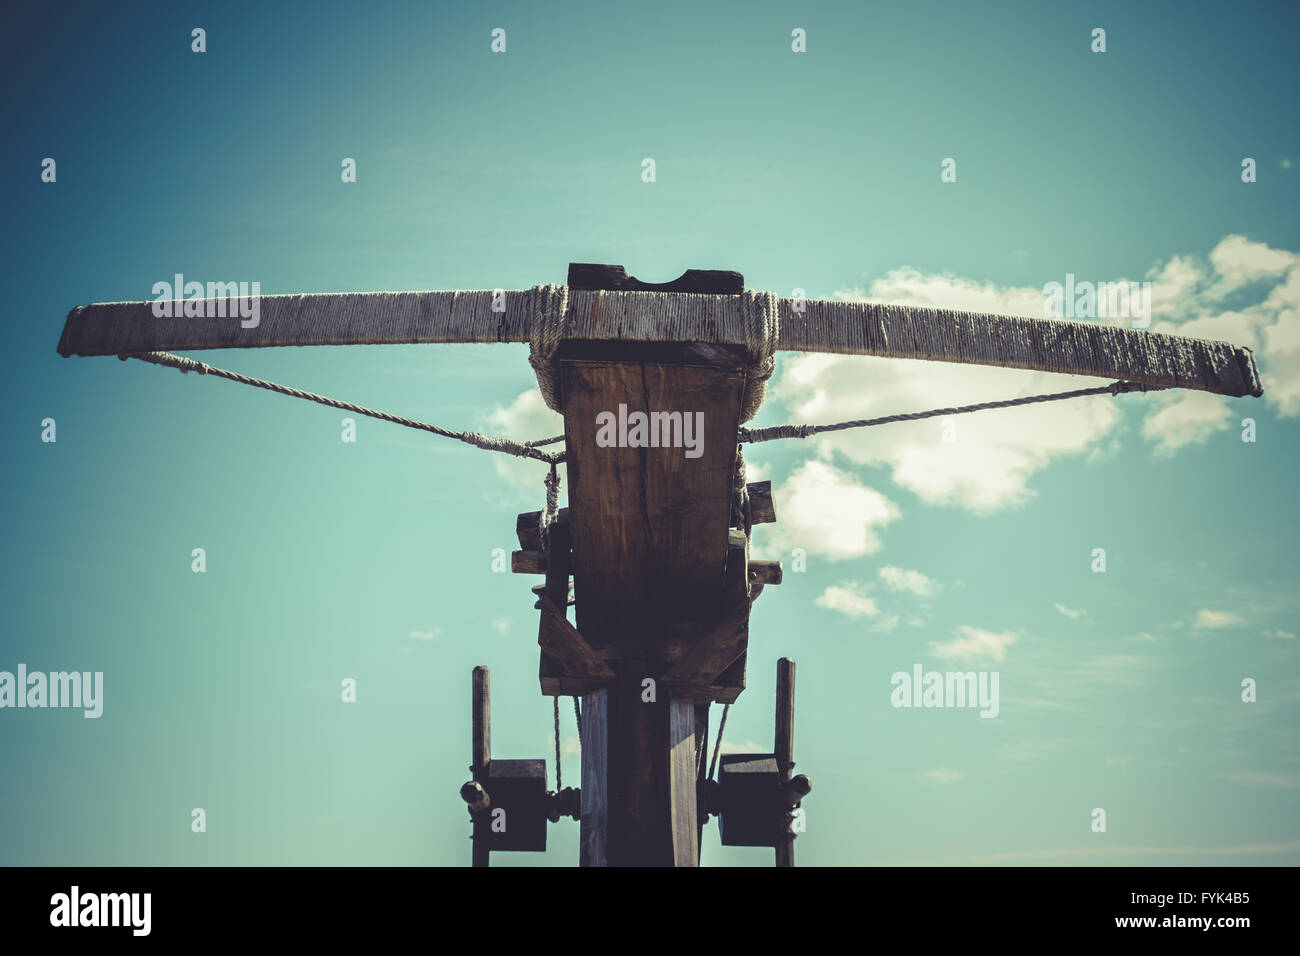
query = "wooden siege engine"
{"x": 654, "y": 390}
{"x": 656, "y": 546}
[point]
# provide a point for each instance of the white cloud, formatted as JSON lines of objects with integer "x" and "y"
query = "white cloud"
{"x": 974, "y": 643}
{"x": 1283, "y": 635}
{"x": 944, "y": 775}
{"x": 829, "y": 512}
{"x": 847, "y": 599}
{"x": 1208, "y": 619}
{"x": 1267, "y": 319}
{"x": 914, "y": 581}
{"x": 501, "y": 624}
{"x": 754, "y": 470}
{"x": 1280, "y": 359}
{"x": 430, "y": 635}
{"x": 995, "y": 453}
{"x": 988, "y": 464}
{"x": 1239, "y": 261}
{"x": 525, "y": 419}
{"x": 1069, "y": 612}
{"x": 1185, "y": 418}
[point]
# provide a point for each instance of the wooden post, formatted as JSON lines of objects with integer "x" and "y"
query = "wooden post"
{"x": 784, "y": 747}
{"x": 683, "y": 799}
{"x": 481, "y": 731}
{"x": 650, "y": 548}
{"x": 594, "y": 828}
{"x": 649, "y": 520}
{"x": 702, "y": 763}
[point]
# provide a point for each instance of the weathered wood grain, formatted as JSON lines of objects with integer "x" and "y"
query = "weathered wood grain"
{"x": 527, "y": 562}
{"x": 575, "y": 667}
{"x": 784, "y": 747}
{"x": 594, "y": 818}
{"x": 854, "y": 328}
{"x": 649, "y": 524}
{"x": 682, "y": 798}
{"x": 762, "y": 509}
{"x": 528, "y": 529}
{"x": 480, "y": 752}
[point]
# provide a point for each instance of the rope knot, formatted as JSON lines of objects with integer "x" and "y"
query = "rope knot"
{"x": 552, "y": 510}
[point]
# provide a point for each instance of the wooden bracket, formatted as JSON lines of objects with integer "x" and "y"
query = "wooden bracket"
{"x": 714, "y": 669}
{"x": 508, "y": 802}
{"x": 755, "y": 793}
{"x": 576, "y": 668}
{"x": 527, "y": 562}
{"x": 529, "y": 531}
{"x": 724, "y": 645}
{"x": 762, "y": 509}
{"x": 568, "y": 665}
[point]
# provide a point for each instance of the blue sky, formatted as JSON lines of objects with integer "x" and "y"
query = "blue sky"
{"x": 818, "y": 171}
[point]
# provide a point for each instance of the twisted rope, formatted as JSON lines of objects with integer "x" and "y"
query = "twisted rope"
{"x": 577, "y": 717}
{"x": 486, "y": 442}
{"x": 740, "y": 515}
{"x": 550, "y": 341}
{"x": 559, "y": 777}
{"x": 773, "y": 432}
{"x": 762, "y": 331}
{"x": 552, "y": 509}
{"x": 548, "y": 305}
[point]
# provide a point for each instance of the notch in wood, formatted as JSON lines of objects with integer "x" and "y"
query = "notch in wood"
{"x": 595, "y": 277}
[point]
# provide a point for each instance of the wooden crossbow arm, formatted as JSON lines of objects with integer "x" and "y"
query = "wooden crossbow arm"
{"x": 854, "y": 328}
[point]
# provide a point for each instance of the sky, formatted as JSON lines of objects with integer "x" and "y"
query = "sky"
{"x": 962, "y": 546}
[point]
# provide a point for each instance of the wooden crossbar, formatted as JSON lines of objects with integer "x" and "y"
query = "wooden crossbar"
{"x": 855, "y": 328}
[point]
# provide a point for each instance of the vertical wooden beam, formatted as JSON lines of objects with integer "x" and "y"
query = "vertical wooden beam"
{"x": 594, "y": 829}
{"x": 683, "y": 806}
{"x": 481, "y": 733}
{"x": 559, "y": 540}
{"x": 784, "y": 747}
{"x": 650, "y": 546}
{"x": 639, "y": 832}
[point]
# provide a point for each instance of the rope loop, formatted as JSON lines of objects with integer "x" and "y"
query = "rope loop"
{"x": 740, "y": 513}
{"x": 548, "y": 307}
{"x": 762, "y": 321}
